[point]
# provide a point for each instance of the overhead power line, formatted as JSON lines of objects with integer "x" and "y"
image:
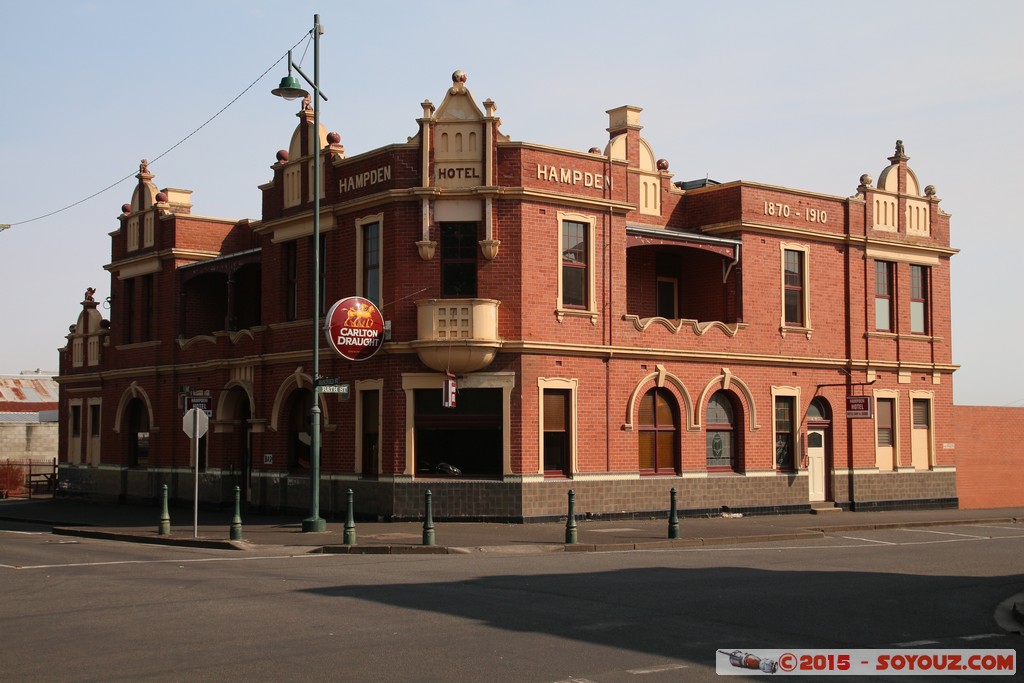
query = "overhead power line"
{"x": 4, "y": 226}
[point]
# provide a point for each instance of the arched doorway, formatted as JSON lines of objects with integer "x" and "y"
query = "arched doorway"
{"x": 137, "y": 433}
{"x": 819, "y": 437}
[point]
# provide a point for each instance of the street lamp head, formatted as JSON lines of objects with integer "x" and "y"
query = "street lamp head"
{"x": 290, "y": 89}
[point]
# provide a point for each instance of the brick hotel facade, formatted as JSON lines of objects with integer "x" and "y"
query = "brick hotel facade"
{"x": 611, "y": 331}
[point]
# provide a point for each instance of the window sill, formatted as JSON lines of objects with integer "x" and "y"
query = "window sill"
{"x": 562, "y": 313}
{"x": 786, "y": 329}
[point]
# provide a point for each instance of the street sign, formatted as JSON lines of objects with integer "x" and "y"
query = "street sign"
{"x": 354, "y": 328}
{"x": 195, "y": 423}
{"x": 327, "y": 381}
{"x": 343, "y": 389}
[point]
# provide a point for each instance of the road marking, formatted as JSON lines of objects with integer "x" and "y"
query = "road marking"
{"x": 983, "y": 636}
{"x": 915, "y": 643}
{"x": 869, "y": 540}
{"x": 26, "y": 533}
{"x": 657, "y": 669}
{"x": 609, "y": 531}
{"x": 945, "y": 533}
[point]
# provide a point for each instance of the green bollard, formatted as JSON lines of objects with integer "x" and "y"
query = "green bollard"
{"x": 350, "y": 523}
{"x": 236, "y": 521}
{"x": 428, "y": 521}
{"x": 673, "y": 518}
{"x": 570, "y": 522}
{"x": 165, "y": 519}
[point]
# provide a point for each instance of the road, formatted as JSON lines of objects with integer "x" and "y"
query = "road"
{"x": 92, "y": 610}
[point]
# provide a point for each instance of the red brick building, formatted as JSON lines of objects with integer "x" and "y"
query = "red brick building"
{"x": 611, "y": 331}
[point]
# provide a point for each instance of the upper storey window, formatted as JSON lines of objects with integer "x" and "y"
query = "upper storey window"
{"x": 458, "y": 260}
{"x": 575, "y": 264}
{"x": 919, "y": 299}
{"x": 883, "y": 296}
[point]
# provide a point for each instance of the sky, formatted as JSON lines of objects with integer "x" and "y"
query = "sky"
{"x": 802, "y": 94}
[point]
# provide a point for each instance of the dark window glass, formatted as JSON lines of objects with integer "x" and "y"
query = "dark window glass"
{"x": 784, "y": 432}
{"x": 794, "y": 287}
{"x": 575, "y": 277}
{"x": 291, "y": 282}
{"x": 371, "y": 262}
{"x": 883, "y": 296}
{"x": 556, "y": 431}
{"x": 919, "y": 299}
{"x": 371, "y": 431}
{"x": 76, "y": 421}
{"x": 720, "y": 433}
{"x": 458, "y": 260}
{"x": 94, "y": 420}
{"x": 921, "y": 413}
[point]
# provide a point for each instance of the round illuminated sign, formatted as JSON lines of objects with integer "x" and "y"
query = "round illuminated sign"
{"x": 355, "y": 328}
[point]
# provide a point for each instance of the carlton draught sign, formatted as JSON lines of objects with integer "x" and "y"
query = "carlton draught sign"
{"x": 355, "y": 328}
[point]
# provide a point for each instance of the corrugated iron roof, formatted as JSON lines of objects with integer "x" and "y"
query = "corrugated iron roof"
{"x": 28, "y": 389}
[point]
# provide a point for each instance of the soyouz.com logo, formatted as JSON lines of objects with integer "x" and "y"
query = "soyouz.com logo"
{"x": 895, "y": 662}
{"x": 355, "y": 328}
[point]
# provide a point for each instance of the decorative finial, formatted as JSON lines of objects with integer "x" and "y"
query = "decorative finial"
{"x": 89, "y": 294}
{"x": 143, "y": 166}
{"x": 126, "y": 209}
{"x": 459, "y": 81}
{"x": 595, "y": 150}
{"x": 161, "y": 197}
{"x": 662, "y": 164}
{"x": 899, "y": 148}
{"x": 929, "y": 190}
{"x": 866, "y": 180}
{"x": 307, "y": 103}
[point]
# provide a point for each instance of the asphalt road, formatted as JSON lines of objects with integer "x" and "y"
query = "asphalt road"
{"x": 94, "y": 610}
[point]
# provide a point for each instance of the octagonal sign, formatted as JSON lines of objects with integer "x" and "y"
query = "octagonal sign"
{"x": 355, "y": 328}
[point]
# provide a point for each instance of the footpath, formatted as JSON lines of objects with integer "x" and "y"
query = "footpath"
{"x": 142, "y": 524}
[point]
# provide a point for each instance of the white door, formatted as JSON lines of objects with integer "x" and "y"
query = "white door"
{"x": 816, "y": 464}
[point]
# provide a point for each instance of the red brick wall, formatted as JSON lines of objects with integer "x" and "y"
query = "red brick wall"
{"x": 989, "y": 456}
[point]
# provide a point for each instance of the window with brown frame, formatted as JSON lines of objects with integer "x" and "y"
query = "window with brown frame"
{"x": 919, "y": 299}
{"x": 793, "y": 268}
{"x": 883, "y": 296}
{"x": 556, "y": 432}
{"x": 884, "y": 421}
{"x": 575, "y": 275}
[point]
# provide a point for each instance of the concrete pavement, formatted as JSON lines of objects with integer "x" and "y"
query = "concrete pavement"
{"x": 141, "y": 524}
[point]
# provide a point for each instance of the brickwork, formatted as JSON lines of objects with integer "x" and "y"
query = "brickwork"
{"x": 989, "y": 447}
{"x": 224, "y": 309}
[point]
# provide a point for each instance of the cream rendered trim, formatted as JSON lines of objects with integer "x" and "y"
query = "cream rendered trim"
{"x": 297, "y": 380}
{"x": 246, "y": 386}
{"x": 660, "y": 377}
{"x": 794, "y": 393}
{"x": 505, "y": 381}
{"x": 301, "y": 225}
{"x": 591, "y": 223}
{"x": 377, "y": 218}
{"x": 725, "y": 381}
{"x": 893, "y": 252}
{"x": 557, "y": 383}
{"x": 146, "y": 266}
{"x": 362, "y": 385}
{"x": 133, "y": 391}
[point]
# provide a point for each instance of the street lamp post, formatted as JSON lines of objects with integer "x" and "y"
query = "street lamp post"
{"x": 290, "y": 90}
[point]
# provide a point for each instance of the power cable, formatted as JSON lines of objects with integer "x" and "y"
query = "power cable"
{"x": 166, "y": 152}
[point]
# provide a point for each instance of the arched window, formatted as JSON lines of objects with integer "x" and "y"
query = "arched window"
{"x": 818, "y": 411}
{"x": 658, "y": 425}
{"x": 722, "y": 446}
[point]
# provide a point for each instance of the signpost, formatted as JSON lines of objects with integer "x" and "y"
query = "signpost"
{"x": 195, "y": 423}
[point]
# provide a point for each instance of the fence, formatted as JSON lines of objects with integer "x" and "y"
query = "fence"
{"x": 27, "y": 478}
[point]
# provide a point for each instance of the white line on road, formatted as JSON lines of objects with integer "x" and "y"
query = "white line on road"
{"x": 25, "y": 533}
{"x": 868, "y": 540}
{"x": 944, "y": 533}
{"x": 657, "y": 669}
{"x": 916, "y": 643}
{"x": 983, "y": 636}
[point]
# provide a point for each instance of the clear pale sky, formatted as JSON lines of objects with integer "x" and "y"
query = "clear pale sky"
{"x": 800, "y": 94}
